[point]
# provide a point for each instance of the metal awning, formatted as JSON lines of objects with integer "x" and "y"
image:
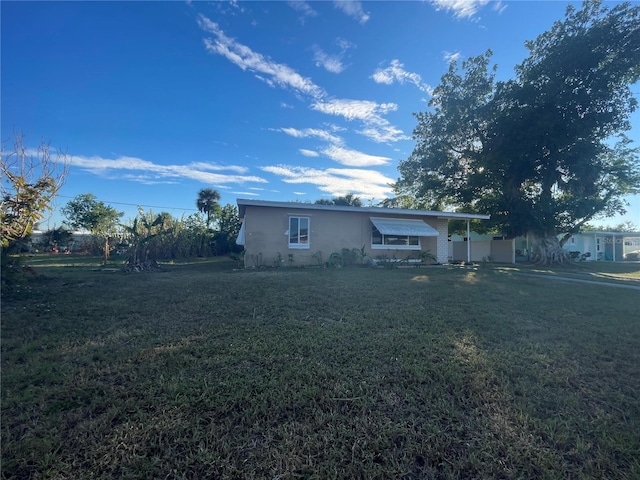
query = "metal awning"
{"x": 403, "y": 226}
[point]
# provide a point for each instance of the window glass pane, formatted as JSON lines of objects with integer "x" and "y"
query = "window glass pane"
{"x": 414, "y": 241}
{"x": 293, "y": 230}
{"x": 376, "y": 237}
{"x": 304, "y": 230}
{"x": 395, "y": 240}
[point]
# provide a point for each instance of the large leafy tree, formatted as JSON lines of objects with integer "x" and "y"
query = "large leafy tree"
{"x": 208, "y": 203}
{"x": 545, "y": 152}
{"x": 86, "y": 211}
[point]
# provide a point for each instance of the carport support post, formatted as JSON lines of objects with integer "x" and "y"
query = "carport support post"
{"x": 468, "y": 242}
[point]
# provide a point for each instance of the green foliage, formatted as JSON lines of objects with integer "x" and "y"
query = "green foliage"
{"x": 347, "y": 257}
{"x": 427, "y": 257}
{"x": 621, "y": 227}
{"x": 348, "y": 200}
{"x": 545, "y": 152}
{"x": 194, "y": 238}
{"x": 146, "y": 237}
{"x": 228, "y": 228}
{"x": 207, "y": 203}
{"x": 57, "y": 238}
{"x": 239, "y": 258}
{"x": 335, "y": 260}
{"x": 86, "y": 212}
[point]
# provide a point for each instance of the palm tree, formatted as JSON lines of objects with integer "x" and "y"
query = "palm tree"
{"x": 207, "y": 203}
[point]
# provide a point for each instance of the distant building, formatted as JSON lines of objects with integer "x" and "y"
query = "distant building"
{"x": 78, "y": 242}
{"x": 611, "y": 246}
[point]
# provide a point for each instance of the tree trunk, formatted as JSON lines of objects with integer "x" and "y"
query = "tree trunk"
{"x": 106, "y": 250}
{"x": 546, "y": 250}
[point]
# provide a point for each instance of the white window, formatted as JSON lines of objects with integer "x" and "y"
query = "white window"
{"x": 403, "y": 242}
{"x": 299, "y": 232}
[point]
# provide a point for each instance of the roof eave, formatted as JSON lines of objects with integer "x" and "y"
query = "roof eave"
{"x": 245, "y": 202}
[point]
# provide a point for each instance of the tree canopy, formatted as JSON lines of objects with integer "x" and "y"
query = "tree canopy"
{"x": 85, "y": 211}
{"x": 545, "y": 152}
{"x": 207, "y": 203}
{"x": 348, "y": 200}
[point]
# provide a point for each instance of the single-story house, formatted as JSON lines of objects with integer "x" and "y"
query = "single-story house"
{"x": 612, "y": 246}
{"x": 300, "y": 231}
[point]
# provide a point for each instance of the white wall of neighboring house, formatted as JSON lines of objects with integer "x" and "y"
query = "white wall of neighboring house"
{"x": 610, "y": 246}
{"x": 77, "y": 242}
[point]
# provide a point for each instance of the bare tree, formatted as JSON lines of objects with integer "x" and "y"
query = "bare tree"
{"x": 31, "y": 178}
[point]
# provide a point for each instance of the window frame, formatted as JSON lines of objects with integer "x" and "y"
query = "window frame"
{"x": 387, "y": 246}
{"x": 298, "y": 244}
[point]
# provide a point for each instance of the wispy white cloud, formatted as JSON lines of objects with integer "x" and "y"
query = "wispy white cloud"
{"x": 344, "y": 44}
{"x": 365, "y": 110}
{"x": 303, "y": 7}
{"x": 335, "y": 149}
{"x": 311, "y": 132}
{"x": 353, "y": 158}
{"x": 276, "y": 74}
{"x": 331, "y": 63}
{"x": 309, "y": 153}
{"x": 367, "y": 184}
{"x": 376, "y": 127}
{"x": 353, "y": 9}
{"x": 383, "y": 133}
{"x": 451, "y": 56}
{"x": 251, "y": 194}
{"x": 460, "y": 8}
{"x": 395, "y": 72}
{"x": 213, "y": 167}
{"x": 299, "y": 193}
{"x": 137, "y": 169}
{"x": 499, "y": 7}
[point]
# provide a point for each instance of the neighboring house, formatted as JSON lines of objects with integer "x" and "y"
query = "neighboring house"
{"x": 612, "y": 246}
{"x": 492, "y": 248}
{"x": 298, "y": 231}
{"x": 77, "y": 242}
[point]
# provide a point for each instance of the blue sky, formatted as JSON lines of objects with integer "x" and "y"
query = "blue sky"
{"x": 268, "y": 100}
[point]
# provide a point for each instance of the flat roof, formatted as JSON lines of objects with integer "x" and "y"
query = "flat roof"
{"x": 598, "y": 232}
{"x": 245, "y": 202}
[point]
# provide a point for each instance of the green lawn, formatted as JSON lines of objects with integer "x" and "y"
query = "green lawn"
{"x": 199, "y": 371}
